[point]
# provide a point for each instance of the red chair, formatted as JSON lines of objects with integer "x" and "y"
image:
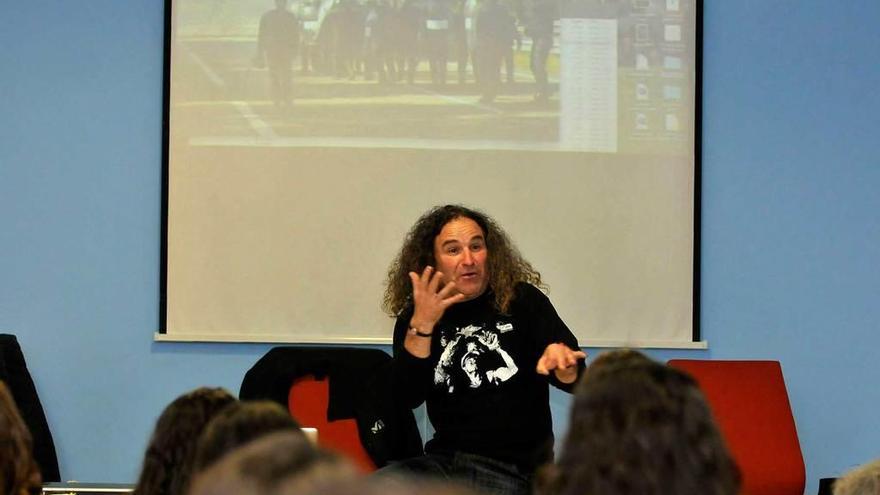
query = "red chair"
{"x": 750, "y": 404}
{"x": 345, "y": 393}
{"x": 307, "y": 402}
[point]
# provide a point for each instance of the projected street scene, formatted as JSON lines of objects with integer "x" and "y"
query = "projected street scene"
{"x": 305, "y": 135}
{"x": 590, "y": 75}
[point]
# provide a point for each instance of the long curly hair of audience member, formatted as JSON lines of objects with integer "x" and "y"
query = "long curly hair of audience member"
{"x": 640, "y": 428}
{"x": 237, "y": 425}
{"x": 506, "y": 266}
{"x": 19, "y": 473}
{"x": 168, "y": 461}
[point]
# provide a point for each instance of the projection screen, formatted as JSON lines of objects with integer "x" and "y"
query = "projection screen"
{"x": 305, "y": 137}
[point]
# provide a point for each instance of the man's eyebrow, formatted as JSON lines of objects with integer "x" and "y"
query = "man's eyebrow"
{"x": 455, "y": 241}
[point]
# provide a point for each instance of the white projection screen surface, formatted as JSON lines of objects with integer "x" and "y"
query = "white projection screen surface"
{"x": 305, "y": 137}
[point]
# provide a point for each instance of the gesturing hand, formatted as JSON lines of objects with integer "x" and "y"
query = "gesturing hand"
{"x": 560, "y": 359}
{"x": 429, "y": 302}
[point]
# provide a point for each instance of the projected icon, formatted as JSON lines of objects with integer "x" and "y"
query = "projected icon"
{"x": 671, "y": 92}
{"x": 673, "y": 5}
{"x": 672, "y": 32}
{"x": 643, "y": 33}
{"x": 436, "y": 24}
{"x": 671, "y": 122}
{"x": 641, "y": 91}
{"x": 641, "y": 121}
{"x": 672, "y": 63}
{"x": 641, "y": 61}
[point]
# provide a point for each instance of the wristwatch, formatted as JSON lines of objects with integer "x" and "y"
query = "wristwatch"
{"x": 415, "y": 331}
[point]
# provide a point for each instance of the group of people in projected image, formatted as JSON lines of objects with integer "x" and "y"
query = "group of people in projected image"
{"x": 388, "y": 41}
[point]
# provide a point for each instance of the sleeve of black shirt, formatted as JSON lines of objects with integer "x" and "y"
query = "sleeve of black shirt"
{"x": 550, "y": 329}
{"x": 411, "y": 375}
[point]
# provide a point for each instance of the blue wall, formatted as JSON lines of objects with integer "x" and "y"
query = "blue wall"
{"x": 791, "y": 220}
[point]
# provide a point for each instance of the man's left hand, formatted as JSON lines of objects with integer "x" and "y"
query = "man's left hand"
{"x": 562, "y": 361}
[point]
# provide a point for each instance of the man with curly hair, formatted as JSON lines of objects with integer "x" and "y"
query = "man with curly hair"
{"x": 477, "y": 341}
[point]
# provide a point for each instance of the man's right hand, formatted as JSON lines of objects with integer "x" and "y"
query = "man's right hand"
{"x": 430, "y": 302}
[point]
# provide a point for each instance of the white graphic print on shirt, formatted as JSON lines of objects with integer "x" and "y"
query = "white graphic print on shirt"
{"x": 473, "y": 357}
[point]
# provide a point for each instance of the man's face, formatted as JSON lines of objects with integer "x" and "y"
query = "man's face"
{"x": 460, "y": 254}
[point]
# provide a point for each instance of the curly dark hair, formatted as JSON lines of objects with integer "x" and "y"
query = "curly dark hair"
{"x": 240, "y": 424}
{"x": 168, "y": 461}
{"x": 505, "y": 265}
{"x": 19, "y": 474}
{"x": 639, "y": 427}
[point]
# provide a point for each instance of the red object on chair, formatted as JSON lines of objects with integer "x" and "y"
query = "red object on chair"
{"x": 750, "y": 404}
{"x": 307, "y": 402}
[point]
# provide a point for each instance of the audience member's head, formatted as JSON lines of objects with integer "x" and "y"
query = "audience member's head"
{"x": 239, "y": 424}
{"x": 863, "y": 480}
{"x": 620, "y": 357}
{"x": 640, "y": 428}
{"x": 19, "y": 474}
{"x": 384, "y": 485}
{"x": 168, "y": 462}
{"x": 283, "y": 462}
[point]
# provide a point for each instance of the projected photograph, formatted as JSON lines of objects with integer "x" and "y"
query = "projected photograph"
{"x": 608, "y": 76}
{"x": 304, "y": 137}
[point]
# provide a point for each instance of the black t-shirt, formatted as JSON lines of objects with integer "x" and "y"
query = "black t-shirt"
{"x": 483, "y": 394}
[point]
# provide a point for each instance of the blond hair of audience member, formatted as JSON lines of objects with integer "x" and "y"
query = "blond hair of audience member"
{"x": 239, "y": 424}
{"x": 863, "y": 480}
{"x": 283, "y": 462}
{"x": 640, "y": 428}
{"x": 168, "y": 460}
{"x": 19, "y": 473}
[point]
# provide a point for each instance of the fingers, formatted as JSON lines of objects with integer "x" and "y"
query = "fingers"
{"x": 429, "y": 282}
{"x": 542, "y": 368}
{"x": 558, "y": 357}
{"x": 428, "y": 279}
{"x": 548, "y": 363}
{"x": 569, "y": 358}
{"x": 425, "y": 276}
{"x": 429, "y": 299}
{"x": 422, "y": 282}
{"x": 454, "y": 299}
{"x": 434, "y": 283}
{"x": 447, "y": 290}
{"x": 415, "y": 279}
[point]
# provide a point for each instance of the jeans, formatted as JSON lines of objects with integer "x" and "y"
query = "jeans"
{"x": 478, "y": 472}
